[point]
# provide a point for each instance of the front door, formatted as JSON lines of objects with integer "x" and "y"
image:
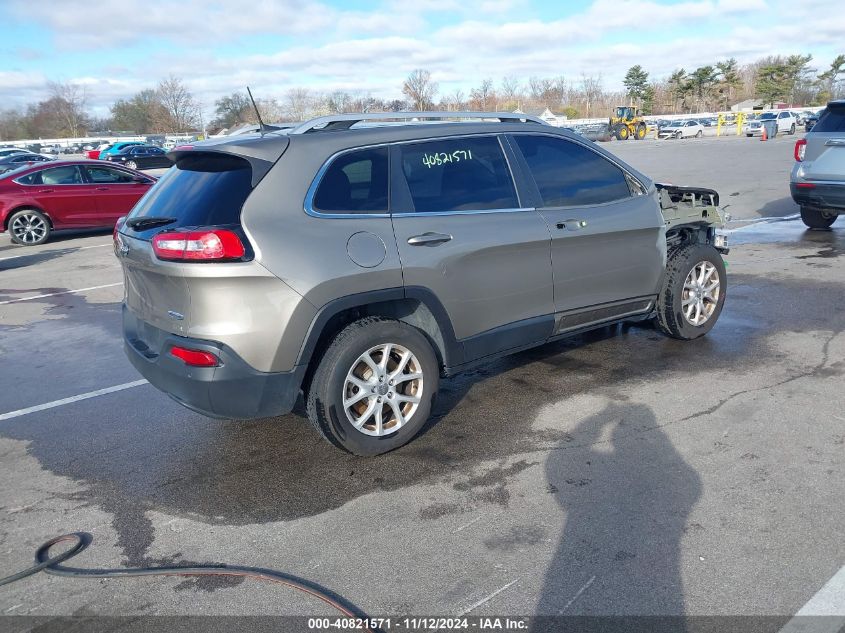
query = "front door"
{"x": 608, "y": 246}
{"x": 462, "y": 234}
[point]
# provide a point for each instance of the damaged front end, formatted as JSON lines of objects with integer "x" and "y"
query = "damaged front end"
{"x": 692, "y": 215}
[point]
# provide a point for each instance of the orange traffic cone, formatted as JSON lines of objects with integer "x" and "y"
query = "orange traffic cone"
{"x": 764, "y": 136}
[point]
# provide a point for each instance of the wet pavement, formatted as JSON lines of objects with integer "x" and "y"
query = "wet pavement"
{"x": 617, "y": 472}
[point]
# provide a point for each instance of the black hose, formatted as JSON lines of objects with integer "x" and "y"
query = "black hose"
{"x": 82, "y": 540}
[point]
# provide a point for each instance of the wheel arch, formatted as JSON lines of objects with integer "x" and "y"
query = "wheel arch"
{"x": 24, "y": 207}
{"x": 416, "y": 306}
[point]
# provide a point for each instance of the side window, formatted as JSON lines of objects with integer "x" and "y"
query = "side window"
{"x": 108, "y": 175}
{"x": 458, "y": 174}
{"x": 30, "y": 179}
{"x": 355, "y": 182}
{"x": 568, "y": 174}
{"x": 69, "y": 175}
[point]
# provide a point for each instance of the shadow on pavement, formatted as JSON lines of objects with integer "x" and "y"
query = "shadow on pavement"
{"x": 626, "y": 497}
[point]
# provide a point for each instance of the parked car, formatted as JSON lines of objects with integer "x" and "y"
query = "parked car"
{"x": 811, "y": 120}
{"x": 141, "y": 157}
{"x": 681, "y": 129}
{"x": 817, "y": 182}
{"x": 94, "y": 154}
{"x": 375, "y": 259}
{"x": 36, "y": 200}
{"x": 8, "y": 151}
{"x": 785, "y": 123}
{"x": 13, "y": 161}
{"x": 116, "y": 147}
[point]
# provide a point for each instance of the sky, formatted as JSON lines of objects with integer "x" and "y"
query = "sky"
{"x": 117, "y": 47}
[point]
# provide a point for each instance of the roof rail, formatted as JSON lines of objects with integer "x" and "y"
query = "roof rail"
{"x": 346, "y": 121}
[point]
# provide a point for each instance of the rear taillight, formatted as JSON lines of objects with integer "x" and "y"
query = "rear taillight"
{"x": 800, "y": 149}
{"x": 194, "y": 357}
{"x": 117, "y": 226}
{"x": 214, "y": 245}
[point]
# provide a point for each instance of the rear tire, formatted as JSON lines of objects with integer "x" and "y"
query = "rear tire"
{"x": 640, "y": 132}
{"x": 29, "y": 227}
{"x": 792, "y": 129}
{"x": 352, "y": 366}
{"x": 693, "y": 292}
{"x": 699, "y": 134}
{"x": 816, "y": 218}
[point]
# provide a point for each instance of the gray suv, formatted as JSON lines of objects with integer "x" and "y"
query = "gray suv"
{"x": 358, "y": 260}
{"x": 817, "y": 183}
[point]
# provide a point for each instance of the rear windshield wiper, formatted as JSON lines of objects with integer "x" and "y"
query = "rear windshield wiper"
{"x": 140, "y": 224}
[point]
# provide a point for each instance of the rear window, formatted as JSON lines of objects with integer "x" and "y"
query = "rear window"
{"x": 832, "y": 120}
{"x": 200, "y": 190}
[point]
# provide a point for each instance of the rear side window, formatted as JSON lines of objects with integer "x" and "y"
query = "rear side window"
{"x": 355, "y": 182}
{"x": 458, "y": 174}
{"x": 568, "y": 174}
{"x": 108, "y": 175}
{"x": 831, "y": 120}
{"x": 201, "y": 190}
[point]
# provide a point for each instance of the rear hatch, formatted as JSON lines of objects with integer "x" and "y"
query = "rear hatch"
{"x": 824, "y": 158}
{"x": 201, "y": 195}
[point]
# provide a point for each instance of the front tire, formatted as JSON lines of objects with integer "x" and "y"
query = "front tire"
{"x": 693, "y": 292}
{"x": 29, "y": 227}
{"x": 131, "y": 164}
{"x": 374, "y": 387}
{"x": 816, "y": 218}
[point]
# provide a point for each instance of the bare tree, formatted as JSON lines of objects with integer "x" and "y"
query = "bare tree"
{"x": 69, "y": 100}
{"x": 420, "y": 89}
{"x": 483, "y": 97}
{"x": 300, "y": 104}
{"x": 180, "y": 108}
{"x": 339, "y": 102}
{"x": 593, "y": 92}
{"x": 511, "y": 92}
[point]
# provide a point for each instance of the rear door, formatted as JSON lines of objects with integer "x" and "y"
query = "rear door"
{"x": 824, "y": 159}
{"x": 116, "y": 191}
{"x": 462, "y": 233}
{"x": 608, "y": 246}
{"x": 64, "y": 194}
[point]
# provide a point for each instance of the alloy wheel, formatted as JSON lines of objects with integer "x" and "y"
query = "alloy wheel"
{"x": 383, "y": 389}
{"x": 701, "y": 293}
{"x": 29, "y": 228}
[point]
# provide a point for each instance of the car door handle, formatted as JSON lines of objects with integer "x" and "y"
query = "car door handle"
{"x": 102, "y": 188}
{"x": 572, "y": 225}
{"x": 429, "y": 239}
{"x": 45, "y": 191}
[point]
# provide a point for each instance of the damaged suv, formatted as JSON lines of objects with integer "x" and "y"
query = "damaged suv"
{"x": 358, "y": 259}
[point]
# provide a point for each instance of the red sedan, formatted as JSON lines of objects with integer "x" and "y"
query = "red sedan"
{"x": 68, "y": 194}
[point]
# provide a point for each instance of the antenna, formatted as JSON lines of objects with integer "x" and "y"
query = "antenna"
{"x": 261, "y": 127}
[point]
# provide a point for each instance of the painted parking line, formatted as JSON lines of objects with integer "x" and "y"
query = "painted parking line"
{"x": 63, "y": 292}
{"x": 63, "y": 401}
{"x": 825, "y": 611}
{"x": 32, "y": 253}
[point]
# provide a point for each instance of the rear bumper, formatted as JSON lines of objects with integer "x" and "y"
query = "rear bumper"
{"x": 231, "y": 390}
{"x": 820, "y": 196}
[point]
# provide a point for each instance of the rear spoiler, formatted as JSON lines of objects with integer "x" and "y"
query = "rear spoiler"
{"x": 261, "y": 152}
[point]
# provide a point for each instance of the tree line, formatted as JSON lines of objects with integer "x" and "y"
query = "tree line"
{"x": 171, "y": 107}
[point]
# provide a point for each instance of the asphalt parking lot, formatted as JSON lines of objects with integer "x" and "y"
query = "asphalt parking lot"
{"x": 617, "y": 473}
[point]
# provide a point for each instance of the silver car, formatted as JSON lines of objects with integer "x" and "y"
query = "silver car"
{"x": 817, "y": 182}
{"x": 357, "y": 263}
